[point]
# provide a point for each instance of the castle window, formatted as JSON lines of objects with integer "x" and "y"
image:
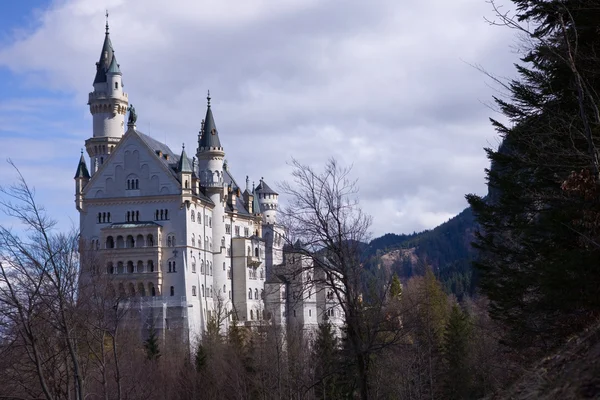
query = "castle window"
{"x": 228, "y": 273}
{"x": 262, "y": 294}
{"x": 246, "y": 232}
{"x": 116, "y": 85}
{"x": 199, "y": 219}
{"x": 223, "y": 266}
{"x": 203, "y": 294}
{"x": 107, "y": 217}
{"x": 294, "y": 313}
{"x": 250, "y": 294}
{"x": 237, "y": 231}
{"x": 193, "y": 265}
{"x": 309, "y": 312}
{"x": 255, "y": 294}
{"x": 228, "y": 229}
{"x": 201, "y": 266}
{"x": 170, "y": 266}
{"x": 210, "y": 266}
{"x": 130, "y": 243}
{"x": 99, "y": 218}
{"x": 150, "y": 240}
{"x": 150, "y": 266}
{"x": 230, "y": 295}
{"x": 224, "y": 289}
{"x": 110, "y": 268}
{"x": 171, "y": 241}
{"x": 251, "y": 314}
{"x": 256, "y": 252}
{"x": 193, "y": 215}
{"x": 193, "y": 239}
{"x": 210, "y": 222}
{"x": 140, "y": 266}
{"x": 193, "y": 290}
{"x": 130, "y": 267}
{"x": 223, "y": 241}
{"x": 172, "y": 291}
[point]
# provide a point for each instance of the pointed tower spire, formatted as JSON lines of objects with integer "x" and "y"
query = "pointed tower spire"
{"x": 184, "y": 164}
{"x": 82, "y": 170}
{"x": 210, "y": 135}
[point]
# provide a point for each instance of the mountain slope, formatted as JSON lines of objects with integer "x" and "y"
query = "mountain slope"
{"x": 445, "y": 248}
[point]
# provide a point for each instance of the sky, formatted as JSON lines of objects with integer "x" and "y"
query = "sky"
{"x": 386, "y": 86}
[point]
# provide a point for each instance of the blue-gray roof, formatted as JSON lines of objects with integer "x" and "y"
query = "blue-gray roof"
{"x": 114, "y": 66}
{"x": 210, "y": 135}
{"x": 106, "y": 57}
{"x": 82, "y": 171}
{"x": 255, "y": 203}
{"x": 264, "y": 188}
{"x": 171, "y": 162}
{"x": 184, "y": 164}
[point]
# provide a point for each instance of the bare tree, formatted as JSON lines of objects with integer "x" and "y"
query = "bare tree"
{"x": 323, "y": 214}
{"x": 39, "y": 275}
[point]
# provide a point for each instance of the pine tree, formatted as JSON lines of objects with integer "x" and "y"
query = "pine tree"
{"x": 151, "y": 345}
{"x": 201, "y": 358}
{"x": 396, "y": 287}
{"x": 539, "y": 242}
{"x": 326, "y": 361}
{"x": 457, "y": 382}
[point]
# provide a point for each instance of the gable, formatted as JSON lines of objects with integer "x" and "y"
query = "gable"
{"x": 133, "y": 169}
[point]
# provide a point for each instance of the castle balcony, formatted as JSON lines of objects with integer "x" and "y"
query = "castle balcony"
{"x": 253, "y": 261}
{"x": 102, "y": 96}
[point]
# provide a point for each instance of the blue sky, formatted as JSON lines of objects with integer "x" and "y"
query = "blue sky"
{"x": 383, "y": 85}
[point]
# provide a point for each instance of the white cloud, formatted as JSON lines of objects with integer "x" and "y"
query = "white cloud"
{"x": 380, "y": 84}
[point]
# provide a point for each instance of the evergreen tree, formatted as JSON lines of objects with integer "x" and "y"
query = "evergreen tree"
{"x": 326, "y": 361}
{"x": 539, "y": 242}
{"x": 396, "y": 287}
{"x": 151, "y": 345}
{"x": 457, "y": 382}
{"x": 201, "y": 358}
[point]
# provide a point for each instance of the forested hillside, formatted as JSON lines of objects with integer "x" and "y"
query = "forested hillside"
{"x": 446, "y": 249}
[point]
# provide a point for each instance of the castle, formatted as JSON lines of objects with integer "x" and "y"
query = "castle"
{"x": 178, "y": 235}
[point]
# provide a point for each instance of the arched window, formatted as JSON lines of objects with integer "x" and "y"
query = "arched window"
{"x": 228, "y": 273}
{"x": 250, "y": 294}
{"x": 172, "y": 290}
{"x": 193, "y": 290}
{"x": 170, "y": 267}
{"x": 210, "y": 268}
{"x": 193, "y": 216}
{"x": 193, "y": 239}
{"x": 140, "y": 266}
{"x": 224, "y": 289}
{"x": 130, "y": 267}
{"x": 203, "y": 294}
{"x": 199, "y": 219}
{"x": 193, "y": 265}
{"x": 130, "y": 243}
{"x": 107, "y": 217}
{"x": 262, "y": 294}
{"x": 255, "y": 294}
{"x": 150, "y": 240}
{"x": 256, "y": 252}
{"x": 251, "y": 314}
{"x": 174, "y": 270}
{"x": 201, "y": 266}
{"x": 110, "y": 243}
{"x": 150, "y": 266}
{"x": 110, "y": 269}
{"x": 224, "y": 267}
{"x": 223, "y": 241}
{"x": 139, "y": 240}
{"x": 99, "y": 217}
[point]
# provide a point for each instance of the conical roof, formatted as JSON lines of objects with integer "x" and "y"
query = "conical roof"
{"x": 255, "y": 203}
{"x": 264, "y": 188}
{"x": 114, "y": 66}
{"x": 106, "y": 58}
{"x": 82, "y": 171}
{"x": 210, "y": 135}
{"x": 184, "y": 164}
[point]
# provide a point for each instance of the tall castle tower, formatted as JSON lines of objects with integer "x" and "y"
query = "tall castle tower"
{"x": 108, "y": 106}
{"x": 210, "y": 156}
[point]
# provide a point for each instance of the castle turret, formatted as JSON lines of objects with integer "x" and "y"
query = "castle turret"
{"x": 82, "y": 177}
{"x": 210, "y": 157}
{"x": 268, "y": 200}
{"x": 108, "y": 106}
{"x": 184, "y": 172}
